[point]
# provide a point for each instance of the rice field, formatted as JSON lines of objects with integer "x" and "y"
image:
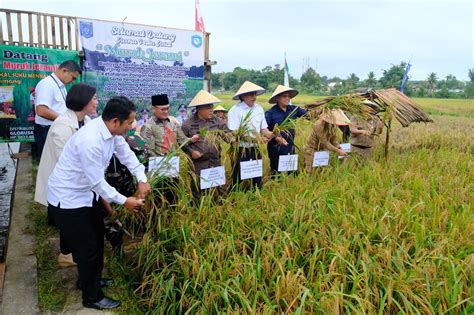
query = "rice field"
{"x": 377, "y": 237}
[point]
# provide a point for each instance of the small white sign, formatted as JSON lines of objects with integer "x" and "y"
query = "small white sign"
{"x": 346, "y": 147}
{"x": 287, "y": 163}
{"x": 321, "y": 158}
{"x": 212, "y": 177}
{"x": 251, "y": 169}
{"x": 165, "y": 166}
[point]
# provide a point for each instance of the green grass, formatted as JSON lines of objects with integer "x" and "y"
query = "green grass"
{"x": 380, "y": 237}
{"x": 385, "y": 237}
{"x": 52, "y": 296}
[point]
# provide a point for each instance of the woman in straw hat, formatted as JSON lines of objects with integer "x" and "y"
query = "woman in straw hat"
{"x": 204, "y": 119}
{"x": 283, "y": 143}
{"x": 324, "y": 136}
{"x": 248, "y": 110}
{"x": 221, "y": 113}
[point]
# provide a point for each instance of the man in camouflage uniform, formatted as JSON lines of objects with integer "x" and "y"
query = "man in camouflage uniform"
{"x": 118, "y": 175}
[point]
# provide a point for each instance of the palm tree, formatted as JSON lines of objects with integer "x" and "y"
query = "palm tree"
{"x": 432, "y": 80}
{"x": 371, "y": 81}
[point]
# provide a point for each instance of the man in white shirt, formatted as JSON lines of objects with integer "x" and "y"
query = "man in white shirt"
{"x": 76, "y": 183}
{"x": 255, "y": 123}
{"x": 50, "y": 102}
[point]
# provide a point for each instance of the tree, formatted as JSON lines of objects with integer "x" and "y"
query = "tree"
{"x": 310, "y": 81}
{"x": 431, "y": 80}
{"x": 351, "y": 82}
{"x": 471, "y": 75}
{"x": 216, "y": 81}
{"x": 229, "y": 81}
{"x": 371, "y": 81}
{"x": 393, "y": 76}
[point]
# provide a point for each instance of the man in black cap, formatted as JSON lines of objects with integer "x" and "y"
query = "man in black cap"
{"x": 163, "y": 134}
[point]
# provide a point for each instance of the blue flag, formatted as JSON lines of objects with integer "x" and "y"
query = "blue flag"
{"x": 405, "y": 77}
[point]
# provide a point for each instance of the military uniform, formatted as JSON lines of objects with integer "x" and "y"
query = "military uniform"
{"x": 362, "y": 144}
{"x": 323, "y": 137}
{"x": 118, "y": 175}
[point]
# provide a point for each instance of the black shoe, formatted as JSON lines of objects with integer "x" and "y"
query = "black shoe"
{"x": 104, "y": 282}
{"x": 104, "y": 304}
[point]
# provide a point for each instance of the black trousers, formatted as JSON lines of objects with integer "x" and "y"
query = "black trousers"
{"x": 63, "y": 246}
{"x": 83, "y": 230}
{"x": 274, "y": 157}
{"x": 245, "y": 154}
{"x": 40, "y": 133}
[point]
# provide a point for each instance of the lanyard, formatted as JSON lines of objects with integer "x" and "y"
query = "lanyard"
{"x": 59, "y": 87}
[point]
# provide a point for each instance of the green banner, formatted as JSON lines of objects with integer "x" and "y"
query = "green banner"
{"x": 21, "y": 69}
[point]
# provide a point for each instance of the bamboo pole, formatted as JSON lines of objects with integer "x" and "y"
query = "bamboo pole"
{"x": 20, "y": 33}
{"x": 2, "y": 42}
{"x": 40, "y": 33}
{"x": 9, "y": 29}
{"x": 45, "y": 23}
{"x": 61, "y": 32}
{"x": 69, "y": 34}
{"x": 30, "y": 29}
{"x": 53, "y": 31}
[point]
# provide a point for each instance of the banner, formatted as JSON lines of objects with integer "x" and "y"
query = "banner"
{"x": 405, "y": 77}
{"x": 139, "y": 61}
{"x": 21, "y": 69}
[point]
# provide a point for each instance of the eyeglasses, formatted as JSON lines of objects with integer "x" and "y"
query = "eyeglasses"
{"x": 73, "y": 75}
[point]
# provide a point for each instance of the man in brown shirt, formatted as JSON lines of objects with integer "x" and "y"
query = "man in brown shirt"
{"x": 204, "y": 120}
{"x": 363, "y": 133}
{"x": 324, "y": 136}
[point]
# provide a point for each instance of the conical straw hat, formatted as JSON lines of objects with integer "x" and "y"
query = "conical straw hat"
{"x": 248, "y": 87}
{"x": 204, "y": 98}
{"x": 336, "y": 117}
{"x": 219, "y": 108}
{"x": 282, "y": 89}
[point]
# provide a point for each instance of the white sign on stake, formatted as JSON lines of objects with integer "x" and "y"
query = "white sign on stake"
{"x": 251, "y": 169}
{"x": 212, "y": 177}
{"x": 321, "y": 158}
{"x": 166, "y": 167}
{"x": 287, "y": 163}
{"x": 346, "y": 147}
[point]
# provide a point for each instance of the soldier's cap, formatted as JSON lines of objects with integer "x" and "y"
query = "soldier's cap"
{"x": 182, "y": 108}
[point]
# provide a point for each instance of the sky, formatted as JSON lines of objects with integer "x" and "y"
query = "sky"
{"x": 336, "y": 38}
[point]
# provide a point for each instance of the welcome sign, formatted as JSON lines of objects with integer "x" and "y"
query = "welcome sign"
{"x": 21, "y": 68}
{"x": 139, "y": 61}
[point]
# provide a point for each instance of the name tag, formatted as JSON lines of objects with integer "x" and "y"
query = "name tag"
{"x": 288, "y": 163}
{"x": 165, "y": 166}
{"x": 212, "y": 177}
{"x": 346, "y": 147}
{"x": 321, "y": 158}
{"x": 251, "y": 169}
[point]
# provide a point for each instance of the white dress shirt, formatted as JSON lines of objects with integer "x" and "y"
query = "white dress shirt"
{"x": 82, "y": 164}
{"x": 51, "y": 92}
{"x": 61, "y": 130}
{"x": 240, "y": 110}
